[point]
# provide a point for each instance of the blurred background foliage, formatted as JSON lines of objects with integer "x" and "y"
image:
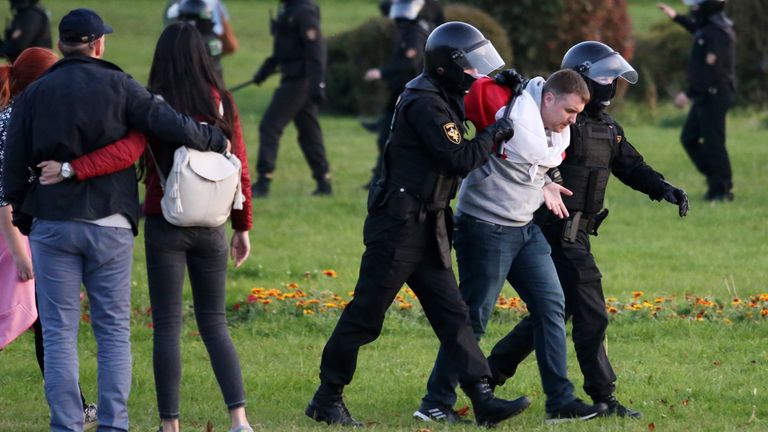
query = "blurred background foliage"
{"x": 540, "y": 32}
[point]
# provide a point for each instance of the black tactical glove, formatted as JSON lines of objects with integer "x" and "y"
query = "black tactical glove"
{"x": 676, "y": 196}
{"x": 502, "y": 130}
{"x": 512, "y": 79}
{"x": 267, "y": 68}
{"x": 317, "y": 93}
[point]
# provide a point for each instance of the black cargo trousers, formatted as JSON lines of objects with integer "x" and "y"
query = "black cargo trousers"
{"x": 584, "y": 304}
{"x": 291, "y": 102}
{"x": 400, "y": 251}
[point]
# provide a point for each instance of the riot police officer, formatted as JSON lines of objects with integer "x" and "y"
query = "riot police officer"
{"x": 406, "y": 233}
{"x": 200, "y": 14}
{"x": 414, "y": 20}
{"x": 300, "y": 54}
{"x": 711, "y": 79}
{"x": 598, "y": 149}
{"x": 30, "y": 27}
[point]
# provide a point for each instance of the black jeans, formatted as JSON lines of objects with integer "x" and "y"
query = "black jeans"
{"x": 291, "y": 102}
{"x": 703, "y": 138}
{"x": 584, "y": 304}
{"x": 399, "y": 251}
{"x": 171, "y": 252}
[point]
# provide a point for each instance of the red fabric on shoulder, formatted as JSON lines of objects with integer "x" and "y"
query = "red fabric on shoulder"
{"x": 484, "y": 100}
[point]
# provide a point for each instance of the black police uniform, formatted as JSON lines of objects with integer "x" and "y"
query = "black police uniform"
{"x": 405, "y": 63}
{"x": 598, "y": 148}
{"x": 711, "y": 89}
{"x": 30, "y": 27}
{"x": 300, "y": 54}
{"x": 406, "y": 234}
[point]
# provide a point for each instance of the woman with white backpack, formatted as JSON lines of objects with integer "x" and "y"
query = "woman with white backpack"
{"x": 183, "y": 74}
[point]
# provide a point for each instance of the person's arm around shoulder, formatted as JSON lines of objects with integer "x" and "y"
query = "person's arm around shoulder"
{"x": 151, "y": 115}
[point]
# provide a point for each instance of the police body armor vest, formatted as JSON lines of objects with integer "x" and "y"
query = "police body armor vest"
{"x": 415, "y": 170}
{"x": 587, "y": 164}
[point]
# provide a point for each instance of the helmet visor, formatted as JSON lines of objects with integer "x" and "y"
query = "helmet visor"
{"x": 482, "y": 56}
{"x": 610, "y": 67}
{"x": 406, "y": 9}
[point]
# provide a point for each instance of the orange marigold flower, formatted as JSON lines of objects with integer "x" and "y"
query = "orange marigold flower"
{"x": 351, "y": 293}
{"x": 309, "y": 312}
{"x": 329, "y": 273}
{"x": 330, "y": 305}
{"x": 265, "y": 301}
{"x": 659, "y": 300}
{"x": 313, "y": 301}
{"x": 611, "y": 299}
{"x": 736, "y": 301}
{"x": 257, "y": 290}
{"x": 405, "y": 305}
{"x": 764, "y": 297}
{"x": 637, "y": 294}
{"x": 612, "y": 310}
{"x": 292, "y": 285}
{"x": 764, "y": 312}
{"x": 86, "y": 318}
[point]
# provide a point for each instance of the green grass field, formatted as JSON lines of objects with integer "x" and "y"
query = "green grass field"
{"x": 684, "y": 375}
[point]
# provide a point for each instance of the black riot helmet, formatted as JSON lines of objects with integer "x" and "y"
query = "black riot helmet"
{"x": 198, "y": 13}
{"x": 601, "y": 66}
{"x": 406, "y": 9}
{"x": 454, "y": 47}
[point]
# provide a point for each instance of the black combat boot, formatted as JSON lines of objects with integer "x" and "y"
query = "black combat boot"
{"x": 260, "y": 189}
{"x": 575, "y": 410}
{"x": 323, "y": 187}
{"x": 490, "y": 410}
{"x": 328, "y": 406}
{"x": 615, "y": 408}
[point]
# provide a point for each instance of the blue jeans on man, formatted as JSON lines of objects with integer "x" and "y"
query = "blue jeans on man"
{"x": 487, "y": 254}
{"x": 66, "y": 254}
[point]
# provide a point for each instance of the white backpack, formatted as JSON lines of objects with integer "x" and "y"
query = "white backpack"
{"x": 202, "y": 188}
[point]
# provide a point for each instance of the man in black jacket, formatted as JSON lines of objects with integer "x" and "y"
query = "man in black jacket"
{"x": 406, "y": 233}
{"x": 299, "y": 52}
{"x": 30, "y": 27}
{"x": 711, "y": 83}
{"x": 83, "y": 231}
{"x": 598, "y": 149}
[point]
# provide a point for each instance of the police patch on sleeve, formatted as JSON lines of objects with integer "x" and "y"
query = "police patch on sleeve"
{"x": 452, "y": 132}
{"x": 311, "y": 34}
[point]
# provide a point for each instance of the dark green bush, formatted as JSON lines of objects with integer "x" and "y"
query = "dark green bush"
{"x": 542, "y": 31}
{"x": 353, "y": 52}
{"x": 751, "y": 49}
{"x": 660, "y": 59}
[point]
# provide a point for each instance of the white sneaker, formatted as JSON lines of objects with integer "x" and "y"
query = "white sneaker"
{"x": 90, "y": 417}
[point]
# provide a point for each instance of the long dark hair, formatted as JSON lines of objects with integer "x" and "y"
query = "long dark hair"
{"x": 183, "y": 74}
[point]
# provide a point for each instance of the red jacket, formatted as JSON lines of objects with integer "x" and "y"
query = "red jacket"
{"x": 124, "y": 152}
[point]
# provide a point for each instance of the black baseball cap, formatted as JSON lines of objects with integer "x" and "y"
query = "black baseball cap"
{"x": 82, "y": 25}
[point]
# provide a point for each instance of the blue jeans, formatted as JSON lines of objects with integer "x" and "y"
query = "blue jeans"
{"x": 487, "y": 254}
{"x": 66, "y": 254}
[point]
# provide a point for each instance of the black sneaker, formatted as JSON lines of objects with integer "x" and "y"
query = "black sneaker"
{"x": 615, "y": 408}
{"x": 575, "y": 410}
{"x": 260, "y": 189}
{"x": 331, "y": 412}
{"x": 713, "y": 196}
{"x": 323, "y": 188}
{"x": 442, "y": 413}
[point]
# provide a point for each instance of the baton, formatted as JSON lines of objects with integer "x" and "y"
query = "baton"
{"x": 241, "y": 86}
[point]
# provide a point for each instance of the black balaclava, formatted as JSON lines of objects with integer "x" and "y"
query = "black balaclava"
{"x": 600, "y": 95}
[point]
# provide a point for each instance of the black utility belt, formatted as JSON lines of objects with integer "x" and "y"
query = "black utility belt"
{"x": 580, "y": 221}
